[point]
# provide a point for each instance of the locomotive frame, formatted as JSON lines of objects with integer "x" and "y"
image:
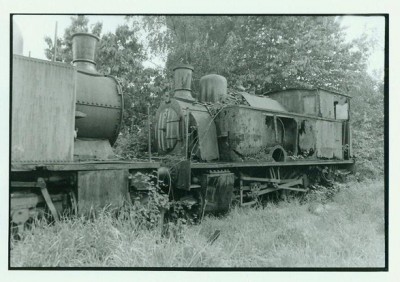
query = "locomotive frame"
{"x": 72, "y": 167}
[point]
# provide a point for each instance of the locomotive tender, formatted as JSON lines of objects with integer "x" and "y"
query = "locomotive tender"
{"x": 65, "y": 119}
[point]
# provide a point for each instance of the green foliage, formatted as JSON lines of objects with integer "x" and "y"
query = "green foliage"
{"x": 367, "y": 117}
{"x": 262, "y": 52}
{"x": 64, "y": 44}
{"x": 148, "y": 207}
{"x": 322, "y": 193}
{"x": 132, "y": 143}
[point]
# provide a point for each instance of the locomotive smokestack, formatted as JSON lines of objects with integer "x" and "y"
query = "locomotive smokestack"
{"x": 182, "y": 82}
{"x": 84, "y": 51}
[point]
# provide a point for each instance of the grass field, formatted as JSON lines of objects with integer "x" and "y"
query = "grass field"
{"x": 345, "y": 232}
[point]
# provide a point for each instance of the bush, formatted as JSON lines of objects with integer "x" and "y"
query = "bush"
{"x": 132, "y": 143}
{"x": 368, "y": 128}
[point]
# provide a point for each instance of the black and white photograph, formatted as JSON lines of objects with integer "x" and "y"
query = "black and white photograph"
{"x": 202, "y": 142}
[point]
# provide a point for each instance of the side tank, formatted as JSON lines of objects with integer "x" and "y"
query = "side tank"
{"x": 99, "y": 100}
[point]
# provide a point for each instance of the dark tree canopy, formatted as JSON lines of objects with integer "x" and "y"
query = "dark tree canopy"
{"x": 262, "y": 52}
{"x": 64, "y": 44}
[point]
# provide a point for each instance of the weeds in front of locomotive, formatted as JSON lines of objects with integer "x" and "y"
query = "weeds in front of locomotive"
{"x": 230, "y": 146}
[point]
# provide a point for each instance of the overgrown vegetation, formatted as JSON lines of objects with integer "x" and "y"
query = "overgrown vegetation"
{"x": 346, "y": 231}
{"x": 368, "y": 128}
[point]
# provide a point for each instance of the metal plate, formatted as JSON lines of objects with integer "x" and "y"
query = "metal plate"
{"x": 329, "y": 140}
{"x": 43, "y": 110}
{"x": 93, "y": 150}
{"x": 86, "y": 165}
{"x": 97, "y": 189}
{"x": 263, "y": 102}
{"x": 219, "y": 191}
{"x": 207, "y": 135}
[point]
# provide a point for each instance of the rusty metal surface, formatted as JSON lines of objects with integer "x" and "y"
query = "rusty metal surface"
{"x": 247, "y": 132}
{"x": 97, "y": 189}
{"x": 92, "y": 165}
{"x": 219, "y": 190}
{"x": 243, "y": 132}
{"x": 310, "y": 104}
{"x": 213, "y": 88}
{"x": 307, "y": 135}
{"x": 160, "y": 130}
{"x": 183, "y": 175}
{"x": 43, "y": 110}
{"x": 207, "y": 135}
{"x": 254, "y": 131}
{"x": 21, "y": 167}
{"x": 84, "y": 51}
{"x": 327, "y": 107}
{"x": 292, "y": 100}
{"x": 315, "y": 102}
{"x": 329, "y": 140}
{"x": 92, "y": 150}
{"x": 310, "y": 89}
{"x": 98, "y": 97}
{"x": 174, "y": 111}
{"x": 45, "y": 193}
{"x": 168, "y": 131}
{"x": 154, "y": 165}
{"x": 285, "y": 114}
{"x": 263, "y": 102}
{"x": 182, "y": 82}
{"x": 225, "y": 165}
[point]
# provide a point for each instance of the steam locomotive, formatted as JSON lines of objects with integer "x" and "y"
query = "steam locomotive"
{"x": 65, "y": 119}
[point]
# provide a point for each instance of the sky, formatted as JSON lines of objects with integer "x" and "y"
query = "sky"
{"x": 35, "y": 27}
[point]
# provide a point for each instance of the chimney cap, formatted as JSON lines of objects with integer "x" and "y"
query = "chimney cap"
{"x": 85, "y": 34}
{"x": 183, "y": 66}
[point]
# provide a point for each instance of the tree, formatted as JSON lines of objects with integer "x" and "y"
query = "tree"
{"x": 262, "y": 52}
{"x": 367, "y": 117}
{"x": 64, "y": 45}
{"x": 205, "y": 42}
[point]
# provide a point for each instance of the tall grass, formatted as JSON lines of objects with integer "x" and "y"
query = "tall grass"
{"x": 346, "y": 232}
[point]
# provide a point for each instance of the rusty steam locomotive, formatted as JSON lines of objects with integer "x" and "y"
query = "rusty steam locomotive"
{"x": 65, "y": 118}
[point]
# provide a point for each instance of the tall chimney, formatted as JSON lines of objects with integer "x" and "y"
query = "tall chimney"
{"x": 84, "y": 51}
{"x": 182, "y": 82}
